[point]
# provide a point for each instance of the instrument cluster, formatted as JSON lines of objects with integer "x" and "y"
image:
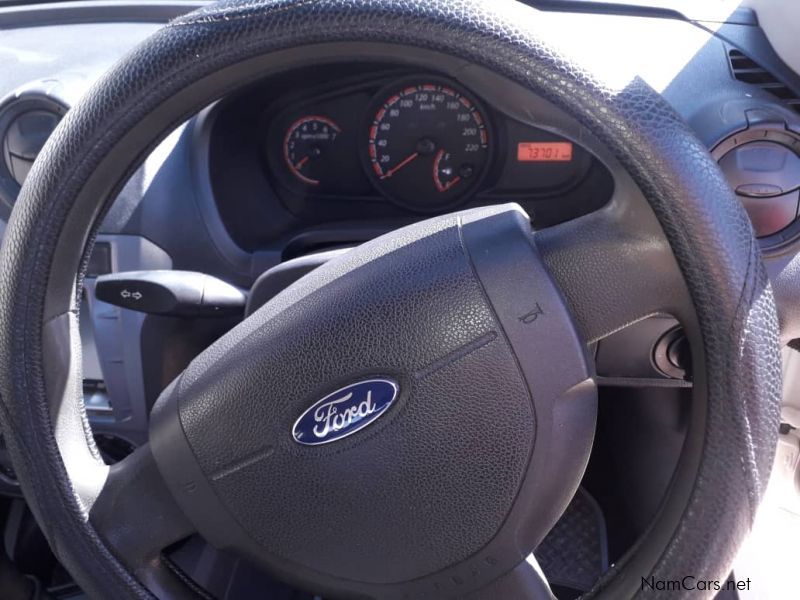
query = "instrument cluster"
{"x": 422, "y": 142}
{"x": 333, "y": 154}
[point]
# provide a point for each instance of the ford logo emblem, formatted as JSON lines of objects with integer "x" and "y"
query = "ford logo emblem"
{"x": 344, "y": 412}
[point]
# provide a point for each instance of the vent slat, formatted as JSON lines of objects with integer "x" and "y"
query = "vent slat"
{"x": 758, "y": 70}
{"x": 746, "y": 70}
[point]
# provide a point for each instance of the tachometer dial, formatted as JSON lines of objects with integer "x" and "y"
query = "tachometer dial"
{"x": 308, "y": 143}
{"x": 428, "y": 145}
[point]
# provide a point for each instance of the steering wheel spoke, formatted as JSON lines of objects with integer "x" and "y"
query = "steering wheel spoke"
{"x": 615, "y": 267}
{"x": 137, "y": 517}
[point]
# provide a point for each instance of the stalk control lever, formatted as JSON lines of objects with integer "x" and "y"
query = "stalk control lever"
{"x": 172, "y": 293}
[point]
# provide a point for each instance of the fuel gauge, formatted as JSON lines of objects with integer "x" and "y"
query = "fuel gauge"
{"x": 309, "y": 141}
{"x": 448, "y": 173}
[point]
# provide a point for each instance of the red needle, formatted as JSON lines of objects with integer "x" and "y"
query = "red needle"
{"x": 396, "y": 168}
{"x": 301, "y": 162}
{"x": 450, "y": 183}
{"x": 442, "y": 187}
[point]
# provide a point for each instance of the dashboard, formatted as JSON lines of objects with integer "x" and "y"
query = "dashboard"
{"x": 333, "y": 152}
{"x": 336, "y": 151}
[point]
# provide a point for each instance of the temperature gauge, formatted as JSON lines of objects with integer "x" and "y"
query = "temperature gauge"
{"x": 308, "y": 142}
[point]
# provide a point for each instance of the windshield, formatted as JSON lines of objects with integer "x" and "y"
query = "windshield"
{"x": 696, "y": 10}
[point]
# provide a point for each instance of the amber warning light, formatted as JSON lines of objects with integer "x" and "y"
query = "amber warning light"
{"x": 544, "y": 151}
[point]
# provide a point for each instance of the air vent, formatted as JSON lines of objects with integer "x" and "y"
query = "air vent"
{"x": 749, "y": 71}
{"x": 26, "y": 121}
{"x": 24, "y": 138}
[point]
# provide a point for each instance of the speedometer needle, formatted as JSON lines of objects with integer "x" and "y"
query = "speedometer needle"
{"x": 402, "y": 164}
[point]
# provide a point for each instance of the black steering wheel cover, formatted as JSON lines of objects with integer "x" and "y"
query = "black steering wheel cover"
{"x": 705, "y": 225}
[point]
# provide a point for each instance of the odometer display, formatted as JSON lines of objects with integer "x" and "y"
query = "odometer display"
{"x": 428, "y": 145}
{"x": 544, "y": 151}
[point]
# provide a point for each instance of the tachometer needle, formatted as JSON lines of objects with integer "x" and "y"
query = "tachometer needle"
{"x": 301, "y": 162}
{"x": 402, "y": 164}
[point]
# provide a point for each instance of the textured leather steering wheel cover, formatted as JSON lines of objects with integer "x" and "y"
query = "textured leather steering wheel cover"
{"x": 706, "y": 227}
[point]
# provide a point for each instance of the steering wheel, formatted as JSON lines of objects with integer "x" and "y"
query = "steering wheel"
{"x": 409, "y": 420}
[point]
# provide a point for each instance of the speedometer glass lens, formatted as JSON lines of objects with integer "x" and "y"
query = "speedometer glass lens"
{"x": 428, "y": 145}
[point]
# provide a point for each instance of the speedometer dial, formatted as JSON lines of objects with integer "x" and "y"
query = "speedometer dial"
{"x": 428, "y": 145}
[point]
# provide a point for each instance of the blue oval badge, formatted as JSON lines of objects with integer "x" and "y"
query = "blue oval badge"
{"x": 344, "y": 412}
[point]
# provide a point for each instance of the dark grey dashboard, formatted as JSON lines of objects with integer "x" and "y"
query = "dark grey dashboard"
{"x": 336, "y": 151}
